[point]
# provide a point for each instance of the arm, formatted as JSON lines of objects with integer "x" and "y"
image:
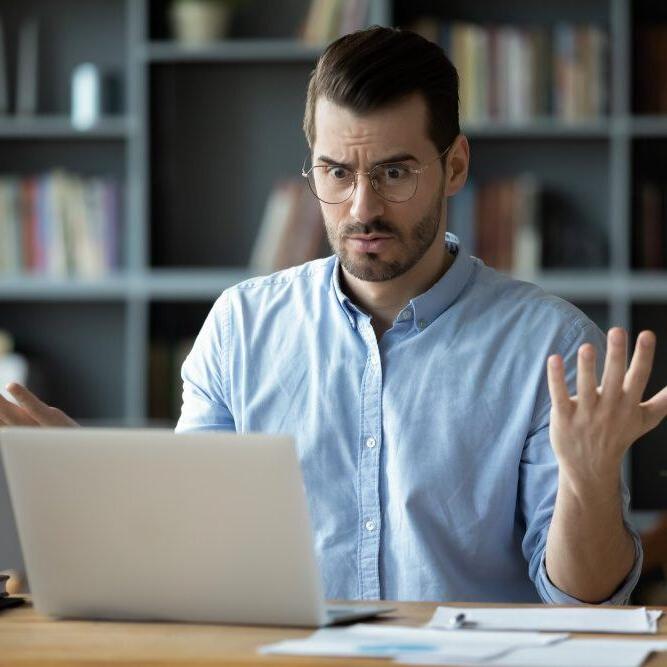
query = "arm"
{"x": 589, "y": 549}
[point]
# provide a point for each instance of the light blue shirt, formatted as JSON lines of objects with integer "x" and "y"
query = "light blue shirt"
{"x": 426, "y": 456}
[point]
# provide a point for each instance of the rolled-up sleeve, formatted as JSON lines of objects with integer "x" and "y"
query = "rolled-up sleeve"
{"x": 551, "y": 593}
{"x": 205, "y": 374}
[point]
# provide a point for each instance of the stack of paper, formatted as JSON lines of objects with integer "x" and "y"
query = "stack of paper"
{"x": 382, "y": 641}
{"x": 569, "y": 653}
{"x": 500, "y": 636}
{"x": 552, "y": 619}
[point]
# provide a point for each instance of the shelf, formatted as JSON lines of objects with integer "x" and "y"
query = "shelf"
{"x": 649, "y": 126}
{"x": 196, "y": 284}
{"x": 45, "y": 288}
{"x": 181, "y": 284}
{"x": 185, "y": 284}
{"x": 540, "y": 128}
{"x": 246, "y": 50}
{"x": 60, "y": 127}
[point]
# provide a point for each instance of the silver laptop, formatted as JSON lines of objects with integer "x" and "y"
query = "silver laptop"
{"x": 150, "y": 525}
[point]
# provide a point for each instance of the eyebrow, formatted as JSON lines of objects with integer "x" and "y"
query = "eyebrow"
{"x": 399, "y": 157}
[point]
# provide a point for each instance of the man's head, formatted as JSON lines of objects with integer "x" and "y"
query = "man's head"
{"x": 385, "y": 95}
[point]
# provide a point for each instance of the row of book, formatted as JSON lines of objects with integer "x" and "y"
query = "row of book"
{"x": 59, "y": 224}
{"x": 514, "y": 74}
{"x": 327, "y": 20}
{"x": 517, "y": 226}
{"x": 651, "y": 69}
{"x": 650, "y": 242}
{"x": 498, "y": 222}
{"x": 291, "y": 230}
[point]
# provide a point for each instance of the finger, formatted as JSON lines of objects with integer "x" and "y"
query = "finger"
{"x": 654, "y": 410}
{"x": 560, "y": 398}
{"x": 41, "y": 412}
{"x": 614, "y": 366}
{"x": 587, "y": 395}
{"x": 14, "y": 415}
{"x": 639, "y": 372}
{"x": 28, "y": 401}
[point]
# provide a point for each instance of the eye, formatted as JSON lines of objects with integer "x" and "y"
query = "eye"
{"x": 338, "y": 173}
{"x": 393, "y": 172}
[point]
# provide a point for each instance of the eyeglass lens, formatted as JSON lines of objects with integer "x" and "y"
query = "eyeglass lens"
{"x": 334, "y": 184}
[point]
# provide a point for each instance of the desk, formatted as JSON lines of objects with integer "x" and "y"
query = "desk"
{"x": 28, "y": 639}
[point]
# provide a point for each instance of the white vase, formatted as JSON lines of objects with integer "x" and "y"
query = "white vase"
{"x": 199, "y": 21}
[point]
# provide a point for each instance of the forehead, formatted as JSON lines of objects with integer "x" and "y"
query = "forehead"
{"x": 403, "y": 125}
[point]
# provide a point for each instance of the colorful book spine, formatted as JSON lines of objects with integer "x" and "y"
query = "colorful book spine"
{"x": 515, "y": 74}
{"x": 59, "y": 224}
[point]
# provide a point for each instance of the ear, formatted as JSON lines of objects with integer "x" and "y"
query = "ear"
{"x": 458, "y": 160}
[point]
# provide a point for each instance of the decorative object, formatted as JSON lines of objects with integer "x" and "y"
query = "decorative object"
{"x": 196, "y": 22}
{"x": 86, "y": 96}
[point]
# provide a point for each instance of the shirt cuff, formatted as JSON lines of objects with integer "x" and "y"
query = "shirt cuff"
{"x": 553, "y": 595}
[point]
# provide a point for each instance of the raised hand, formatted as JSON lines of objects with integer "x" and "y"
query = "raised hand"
{"x": 590, "y": 432}
{"x": 30, "y": 411}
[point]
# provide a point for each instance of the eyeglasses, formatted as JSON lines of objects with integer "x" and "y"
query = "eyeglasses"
{"x": 394, "y": 181}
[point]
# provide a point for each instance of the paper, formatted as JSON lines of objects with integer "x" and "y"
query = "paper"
{"x": 569, "y": 653}
{"x": 554, "y": 619}
{"x": 365, "y": 640}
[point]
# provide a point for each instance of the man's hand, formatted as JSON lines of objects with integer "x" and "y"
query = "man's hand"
{"x": 30, "y": 411}
{"x": 591, "y": 431}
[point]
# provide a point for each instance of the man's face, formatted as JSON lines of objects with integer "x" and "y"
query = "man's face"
{"x": 376, "y": 239}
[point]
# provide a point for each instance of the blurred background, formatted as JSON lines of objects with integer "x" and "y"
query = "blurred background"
{"x": 150, "y": 156}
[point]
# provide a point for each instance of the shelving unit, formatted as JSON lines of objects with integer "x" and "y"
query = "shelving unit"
{"x": 206, "y": 132}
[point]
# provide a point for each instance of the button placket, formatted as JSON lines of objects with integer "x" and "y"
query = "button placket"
{"x": 369, "y": 462}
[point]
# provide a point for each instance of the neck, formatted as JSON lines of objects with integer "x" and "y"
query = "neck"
{"x": 383, "y": 300}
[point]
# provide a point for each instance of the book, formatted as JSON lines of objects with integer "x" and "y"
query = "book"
{"x": 291, "y": 231}
{"x": 517, "y": 73}
{"x": 499, "y": 221}
{"x": 4, "y": 81}
{"x": 650, "y": 68}
{"x": 26, "y": 77}
{"x": 59, "y": 224}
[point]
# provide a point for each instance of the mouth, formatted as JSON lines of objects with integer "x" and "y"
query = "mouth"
{"x": 369, "y": 242}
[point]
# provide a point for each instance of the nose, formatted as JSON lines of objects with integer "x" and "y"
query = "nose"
{"x": 367, "y": 205}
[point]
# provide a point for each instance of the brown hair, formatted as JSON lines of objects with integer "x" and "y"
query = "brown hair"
{"x": 373, "y": 68}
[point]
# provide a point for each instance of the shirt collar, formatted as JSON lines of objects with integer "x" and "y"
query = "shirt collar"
{"x": 426, "y": 307}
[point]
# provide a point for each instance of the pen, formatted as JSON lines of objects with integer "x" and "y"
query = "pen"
{"x": 459, "y": 621}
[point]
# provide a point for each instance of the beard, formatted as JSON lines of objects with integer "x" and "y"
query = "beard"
{"x": 414, "y": 243}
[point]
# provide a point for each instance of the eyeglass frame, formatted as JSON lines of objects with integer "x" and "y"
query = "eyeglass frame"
{"x": 418, "y": 171}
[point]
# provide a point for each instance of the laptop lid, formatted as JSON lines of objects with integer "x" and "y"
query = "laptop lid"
{"x": 149, "y": 524}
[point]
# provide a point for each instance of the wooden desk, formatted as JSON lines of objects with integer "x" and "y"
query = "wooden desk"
{"x": 28, "y": 639}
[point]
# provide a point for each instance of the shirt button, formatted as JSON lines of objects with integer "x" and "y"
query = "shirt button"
{"x": 370, "y": 526}
{"x": 421, "y": 324}
{"x": 370, "y": 442}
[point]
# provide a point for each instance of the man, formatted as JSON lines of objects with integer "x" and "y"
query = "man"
{"x": 440, "y": 460}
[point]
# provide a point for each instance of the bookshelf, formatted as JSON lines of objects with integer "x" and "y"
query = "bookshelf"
{"x": 205, "y": 132}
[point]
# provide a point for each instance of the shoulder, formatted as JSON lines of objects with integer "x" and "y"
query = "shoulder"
{"x": 529, "y": 306}
{"x": 279, "y": 292}
{"x": 311, "y": 273}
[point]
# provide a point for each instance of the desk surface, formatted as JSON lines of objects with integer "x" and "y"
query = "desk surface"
{"x": 27, "y": 638}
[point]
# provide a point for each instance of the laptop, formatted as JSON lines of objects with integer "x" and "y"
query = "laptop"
{"x": 146, "y": 524}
